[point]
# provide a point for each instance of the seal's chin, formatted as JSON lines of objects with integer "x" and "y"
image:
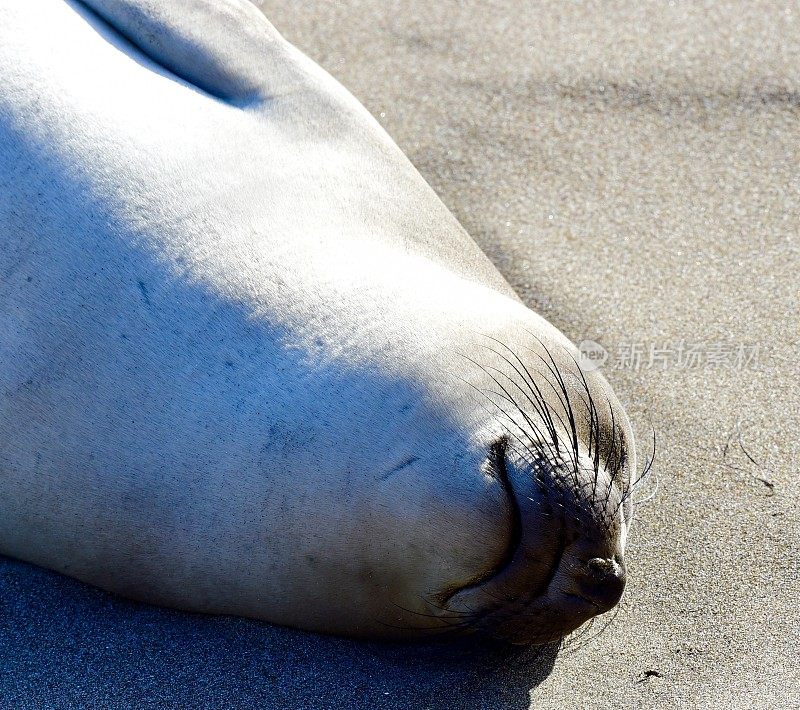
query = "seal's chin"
{"x": 508, "y": 607}
{"x": 563, "y": 567}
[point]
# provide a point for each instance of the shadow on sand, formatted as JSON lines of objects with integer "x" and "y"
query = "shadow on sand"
{"x": 63, "y": 644}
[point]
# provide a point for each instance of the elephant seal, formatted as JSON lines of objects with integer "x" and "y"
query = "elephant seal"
{"x": 251, "y": 365}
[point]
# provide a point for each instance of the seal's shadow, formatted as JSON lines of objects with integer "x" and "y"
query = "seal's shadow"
{"x": 64, "y": 644}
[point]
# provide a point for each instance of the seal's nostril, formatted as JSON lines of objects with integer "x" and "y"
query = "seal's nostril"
{"x": 603, "y": 582}
{"x": 601, "y": 566}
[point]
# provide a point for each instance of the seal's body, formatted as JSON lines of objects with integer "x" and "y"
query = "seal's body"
{"x": 250, "y": 364}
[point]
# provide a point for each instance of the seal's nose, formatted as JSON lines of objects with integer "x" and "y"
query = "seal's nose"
{"x": 602, "y": 582}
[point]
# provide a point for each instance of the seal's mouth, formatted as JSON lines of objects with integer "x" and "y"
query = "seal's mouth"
{"x": 542, "y": 588}
{"x": 513, "y": 550}
{"x": 516, "y": 552}
{"x": 518, "y": 577}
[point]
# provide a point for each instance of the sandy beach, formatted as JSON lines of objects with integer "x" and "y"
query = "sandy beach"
{"x": 633, "y": 169}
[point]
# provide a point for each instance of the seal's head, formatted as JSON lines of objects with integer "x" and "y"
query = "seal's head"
{"x": 499, "y": 481}
{"x": 475, "y": 477}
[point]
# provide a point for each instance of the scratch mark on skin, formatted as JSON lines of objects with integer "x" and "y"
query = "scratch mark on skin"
{"x": 410, "y": 461}
{"x": 145, "y": 294}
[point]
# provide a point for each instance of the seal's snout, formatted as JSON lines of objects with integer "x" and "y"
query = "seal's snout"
{"x": 565, "y": 558}
{"x": 602, "y": 582}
